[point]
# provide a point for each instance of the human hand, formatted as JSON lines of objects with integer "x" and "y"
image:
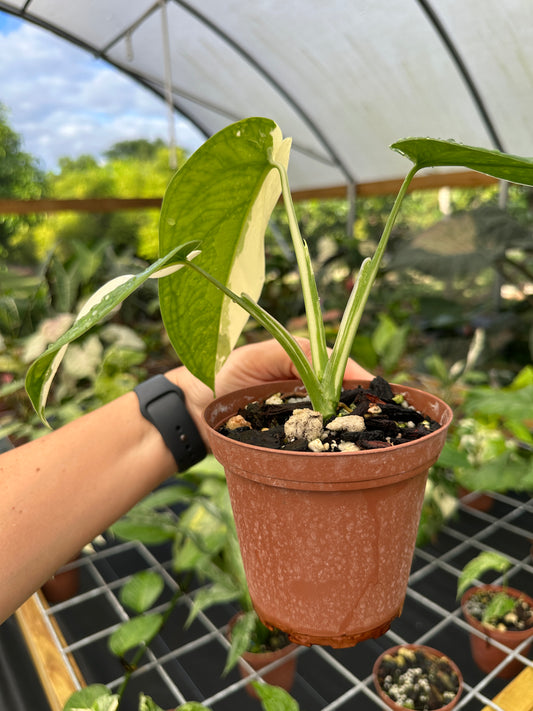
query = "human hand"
{"x": 252, "y": 364}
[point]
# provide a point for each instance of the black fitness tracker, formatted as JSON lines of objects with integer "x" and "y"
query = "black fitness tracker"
{"x": 163, "y": 404}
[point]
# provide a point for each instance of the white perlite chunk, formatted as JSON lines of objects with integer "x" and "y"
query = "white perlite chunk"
{"x": 316, "y": 445}
{"x": 348, "y": 446}
{"x": 275, "y": 399}
{"x": 237, "y": 421}
{"x": 348, "y": 423}
{"x": 304, "y": 424}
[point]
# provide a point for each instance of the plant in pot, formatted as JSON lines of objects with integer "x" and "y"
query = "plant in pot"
{"x": 204, "y": 545}
{"x": 322, "y": 553}
{"x": 497, "y": 612}
{"x": 491, "y": 446}
{"x": 414, "y": 676}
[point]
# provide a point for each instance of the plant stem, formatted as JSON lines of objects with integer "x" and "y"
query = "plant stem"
{"x": 358, "y": 298}
{"x": 277, "y": 331}
{"x": 132, "y": 666}
{"x": 317, "y": 335}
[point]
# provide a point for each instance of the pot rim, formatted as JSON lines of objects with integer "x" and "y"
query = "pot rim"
{"x": 425, "y": 648}
{"x": 214, "y": 419}
{"x": 344, "y": 470}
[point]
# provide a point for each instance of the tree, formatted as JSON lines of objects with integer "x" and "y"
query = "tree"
{"x": 141, "y": 148}
{"x": 20, "y": 177}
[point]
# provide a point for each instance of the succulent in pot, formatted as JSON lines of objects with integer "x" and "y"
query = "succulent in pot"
{"x": 414, "y": 676}
{"x": 498, "y": 613}
{"x": 211, "y": 271}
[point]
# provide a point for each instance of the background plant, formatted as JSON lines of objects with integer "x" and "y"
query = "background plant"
{"x": 500, "y": 603}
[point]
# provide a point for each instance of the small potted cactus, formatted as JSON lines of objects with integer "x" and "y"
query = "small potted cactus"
{"x": 414, "y": 676}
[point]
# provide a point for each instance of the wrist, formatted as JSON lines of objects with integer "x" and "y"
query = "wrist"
{"x": 162, "y": 403}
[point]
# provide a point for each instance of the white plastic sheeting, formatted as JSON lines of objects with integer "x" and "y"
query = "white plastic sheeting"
{"x": 344, "y": 78}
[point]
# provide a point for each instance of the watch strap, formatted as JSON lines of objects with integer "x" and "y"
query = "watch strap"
{"x": 163, "y": 404}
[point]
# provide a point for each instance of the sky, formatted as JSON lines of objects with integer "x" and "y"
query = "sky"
{"x": 64, "y": 102}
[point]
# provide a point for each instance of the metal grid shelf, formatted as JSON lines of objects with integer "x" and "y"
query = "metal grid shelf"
{"x": 186, "y": 664}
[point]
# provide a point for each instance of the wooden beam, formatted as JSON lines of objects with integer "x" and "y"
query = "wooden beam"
{"x": 464, "y": 179}
{"x": 517, "y": 695}
{"x": 28, "y": 207}
{"x": 58, "y": 682}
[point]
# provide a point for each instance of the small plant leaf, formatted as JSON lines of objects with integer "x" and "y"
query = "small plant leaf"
{"x": 431, "y": 152}
{"x": 134, "y": 632}
{"x": 498, "y": 607}
{"x": 241, "y": 634}
{"x": 95, "y": 697}
{"x": 146, "y": 703}
{"x": 212, "y": 595}
{"x": 222, "y": 196}
{"x": 142, "y": 590}
{"x": 474, "y": 569}
{"x": 192, "y": 706}
{"x": 274, "y": 698}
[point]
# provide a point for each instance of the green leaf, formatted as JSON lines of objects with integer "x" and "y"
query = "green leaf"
{"x": 142, "y": 590}
{"x": 505, "y": 472}
{"x": 474, "y": 569}
{"x": 41, "y": 373}
{"x": 134, "y": 632}
{"x": 163, "y": 497}
{"x": 430, "y": 152}
{"x": 223, "y": 196}
{"x": 192, "y": 706}
{"x": 213, "y": 595}
{"x": 241, "y": 635}
{"x": 498, "y": 607}
{"x": 205, "y": 531}
{"x": 508, "y": 404}
{"x": 274, "y": 698}
{"x": 149, "y": 527}
{"x": 95, "y": 697}
{"x": 146, "y": 703}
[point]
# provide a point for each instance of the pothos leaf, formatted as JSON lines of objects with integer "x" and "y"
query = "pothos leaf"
{"x": 95, "y": 697}
{"x": 241, "y": 634}
{"x": 274, "y": 698}
{"x": 134, "y": 632}
{"x": 142, "y": 590}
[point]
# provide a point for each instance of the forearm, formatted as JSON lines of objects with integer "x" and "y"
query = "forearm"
{"x": 58, "y": 492}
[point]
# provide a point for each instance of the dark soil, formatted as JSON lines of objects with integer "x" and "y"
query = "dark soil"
{"x": 418, "y": 680}
{"x": 388, "y": 421}
{"x": 516, "y": 620}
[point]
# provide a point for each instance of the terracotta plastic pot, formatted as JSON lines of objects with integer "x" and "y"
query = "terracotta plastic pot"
{"x": 281, "y": 675}
{"x": 327, "y": 539}
{"x": 64, "y": 584}
{"x": 485, "y": 654}
{"x": 428, "y": 650}
{"x": 479, "y": 501}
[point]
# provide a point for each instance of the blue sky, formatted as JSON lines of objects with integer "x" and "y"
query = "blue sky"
{"x": 64, "y": 102}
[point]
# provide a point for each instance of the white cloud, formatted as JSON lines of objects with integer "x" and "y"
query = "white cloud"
{"x": 64, "y": 102}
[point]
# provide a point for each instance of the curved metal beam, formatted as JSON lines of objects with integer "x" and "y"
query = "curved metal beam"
{"x": 49, "y": 27}
{"x": 337, "y": 160}
{"x": 463, "y": 71}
